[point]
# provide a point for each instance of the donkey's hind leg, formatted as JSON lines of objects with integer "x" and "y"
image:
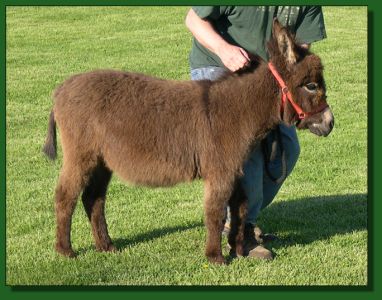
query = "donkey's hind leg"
{"x": 69, "y": 186}
{"x": 93, "y": 199}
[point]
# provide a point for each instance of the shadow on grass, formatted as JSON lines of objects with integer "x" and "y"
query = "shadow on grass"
{"x": 306, "y": 220}
{"x": 300, "y": 221}
{"x": 122, "y": 243}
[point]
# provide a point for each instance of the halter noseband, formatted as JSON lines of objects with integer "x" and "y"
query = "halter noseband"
{"x": 287, "y": 96}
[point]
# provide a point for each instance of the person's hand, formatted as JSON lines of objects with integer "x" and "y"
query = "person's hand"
{"x": 233, "y": 57}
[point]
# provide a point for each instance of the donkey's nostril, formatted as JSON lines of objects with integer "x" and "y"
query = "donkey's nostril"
{"x": 331, "y": 124}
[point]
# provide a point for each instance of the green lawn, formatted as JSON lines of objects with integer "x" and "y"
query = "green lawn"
{"x": 320, "y": 213}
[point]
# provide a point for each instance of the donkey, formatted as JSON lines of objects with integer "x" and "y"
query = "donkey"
{"x": 157, "y": 132}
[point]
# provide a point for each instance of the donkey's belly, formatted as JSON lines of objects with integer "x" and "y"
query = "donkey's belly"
{"x": 149, "y": 170}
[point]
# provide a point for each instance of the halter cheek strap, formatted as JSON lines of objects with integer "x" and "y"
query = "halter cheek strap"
{"x": 287, "y": 96}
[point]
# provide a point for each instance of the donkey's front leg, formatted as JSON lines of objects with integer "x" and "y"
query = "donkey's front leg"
{"x": 217, "y": 193}
{"x": 238, "y": 208}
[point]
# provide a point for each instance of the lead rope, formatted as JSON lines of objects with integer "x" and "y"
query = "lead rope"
{"x": 269, "y": 157}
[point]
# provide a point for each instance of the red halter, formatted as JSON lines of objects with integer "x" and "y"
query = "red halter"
{"x": 286, "y": 95}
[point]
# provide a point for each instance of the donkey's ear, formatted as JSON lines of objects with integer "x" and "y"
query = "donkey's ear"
{"x": 284, "y": 41}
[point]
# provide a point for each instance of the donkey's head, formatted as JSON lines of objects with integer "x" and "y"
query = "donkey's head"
{"x": 301, "y": 83}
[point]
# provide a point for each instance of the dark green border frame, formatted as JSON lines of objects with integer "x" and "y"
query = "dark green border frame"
{"x": 371, "y": 291}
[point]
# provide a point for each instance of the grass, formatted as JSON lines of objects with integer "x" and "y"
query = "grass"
{"x": 319, "y": 214}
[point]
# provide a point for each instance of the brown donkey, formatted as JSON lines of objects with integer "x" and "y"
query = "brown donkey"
{"x": 158, "y": 132}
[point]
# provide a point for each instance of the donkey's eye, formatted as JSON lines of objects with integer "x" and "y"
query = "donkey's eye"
{"x": 311, "y": 87}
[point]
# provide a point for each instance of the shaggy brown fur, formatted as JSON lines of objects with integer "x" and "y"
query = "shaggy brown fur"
{"x": 161, "y": 132}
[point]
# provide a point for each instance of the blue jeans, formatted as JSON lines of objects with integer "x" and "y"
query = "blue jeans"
{"x": 258, "y": 187}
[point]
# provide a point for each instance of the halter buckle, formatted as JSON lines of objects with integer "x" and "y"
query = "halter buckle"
{"x": 302, "y": 115}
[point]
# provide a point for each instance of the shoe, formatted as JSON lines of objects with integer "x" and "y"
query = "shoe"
{"x": 261, "y": 238}
{"x": 252, "y": 247}
{"x": 260, "y": 252}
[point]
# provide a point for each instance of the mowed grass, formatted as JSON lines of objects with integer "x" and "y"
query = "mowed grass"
{"x": 319, "y": 214}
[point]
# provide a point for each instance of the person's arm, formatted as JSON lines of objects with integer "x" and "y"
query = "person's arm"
{"x": 233, "y": 57}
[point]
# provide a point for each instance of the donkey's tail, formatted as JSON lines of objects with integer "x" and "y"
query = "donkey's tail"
{"x": 50, "y": 147}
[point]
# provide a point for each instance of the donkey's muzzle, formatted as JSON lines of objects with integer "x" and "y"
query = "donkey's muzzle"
{"x": 326, "y": 125}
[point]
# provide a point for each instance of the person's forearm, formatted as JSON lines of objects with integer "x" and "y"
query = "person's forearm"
{"x": 204, "y": 32}
{"x": 233, "y": 57}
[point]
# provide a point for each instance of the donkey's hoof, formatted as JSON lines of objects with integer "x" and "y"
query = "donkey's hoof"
{"x": 220, "y": 260}
{"x": 67, "y": 252}
{"x": 108, "y": 248}
{"x": 111, "y": 248}
{"x": 235, "y": 253}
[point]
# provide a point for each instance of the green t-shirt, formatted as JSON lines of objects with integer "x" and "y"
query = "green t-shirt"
{"x": 250, "y": 27}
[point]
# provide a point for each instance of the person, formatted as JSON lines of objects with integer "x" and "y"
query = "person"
{"x": 224, "y": 40}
